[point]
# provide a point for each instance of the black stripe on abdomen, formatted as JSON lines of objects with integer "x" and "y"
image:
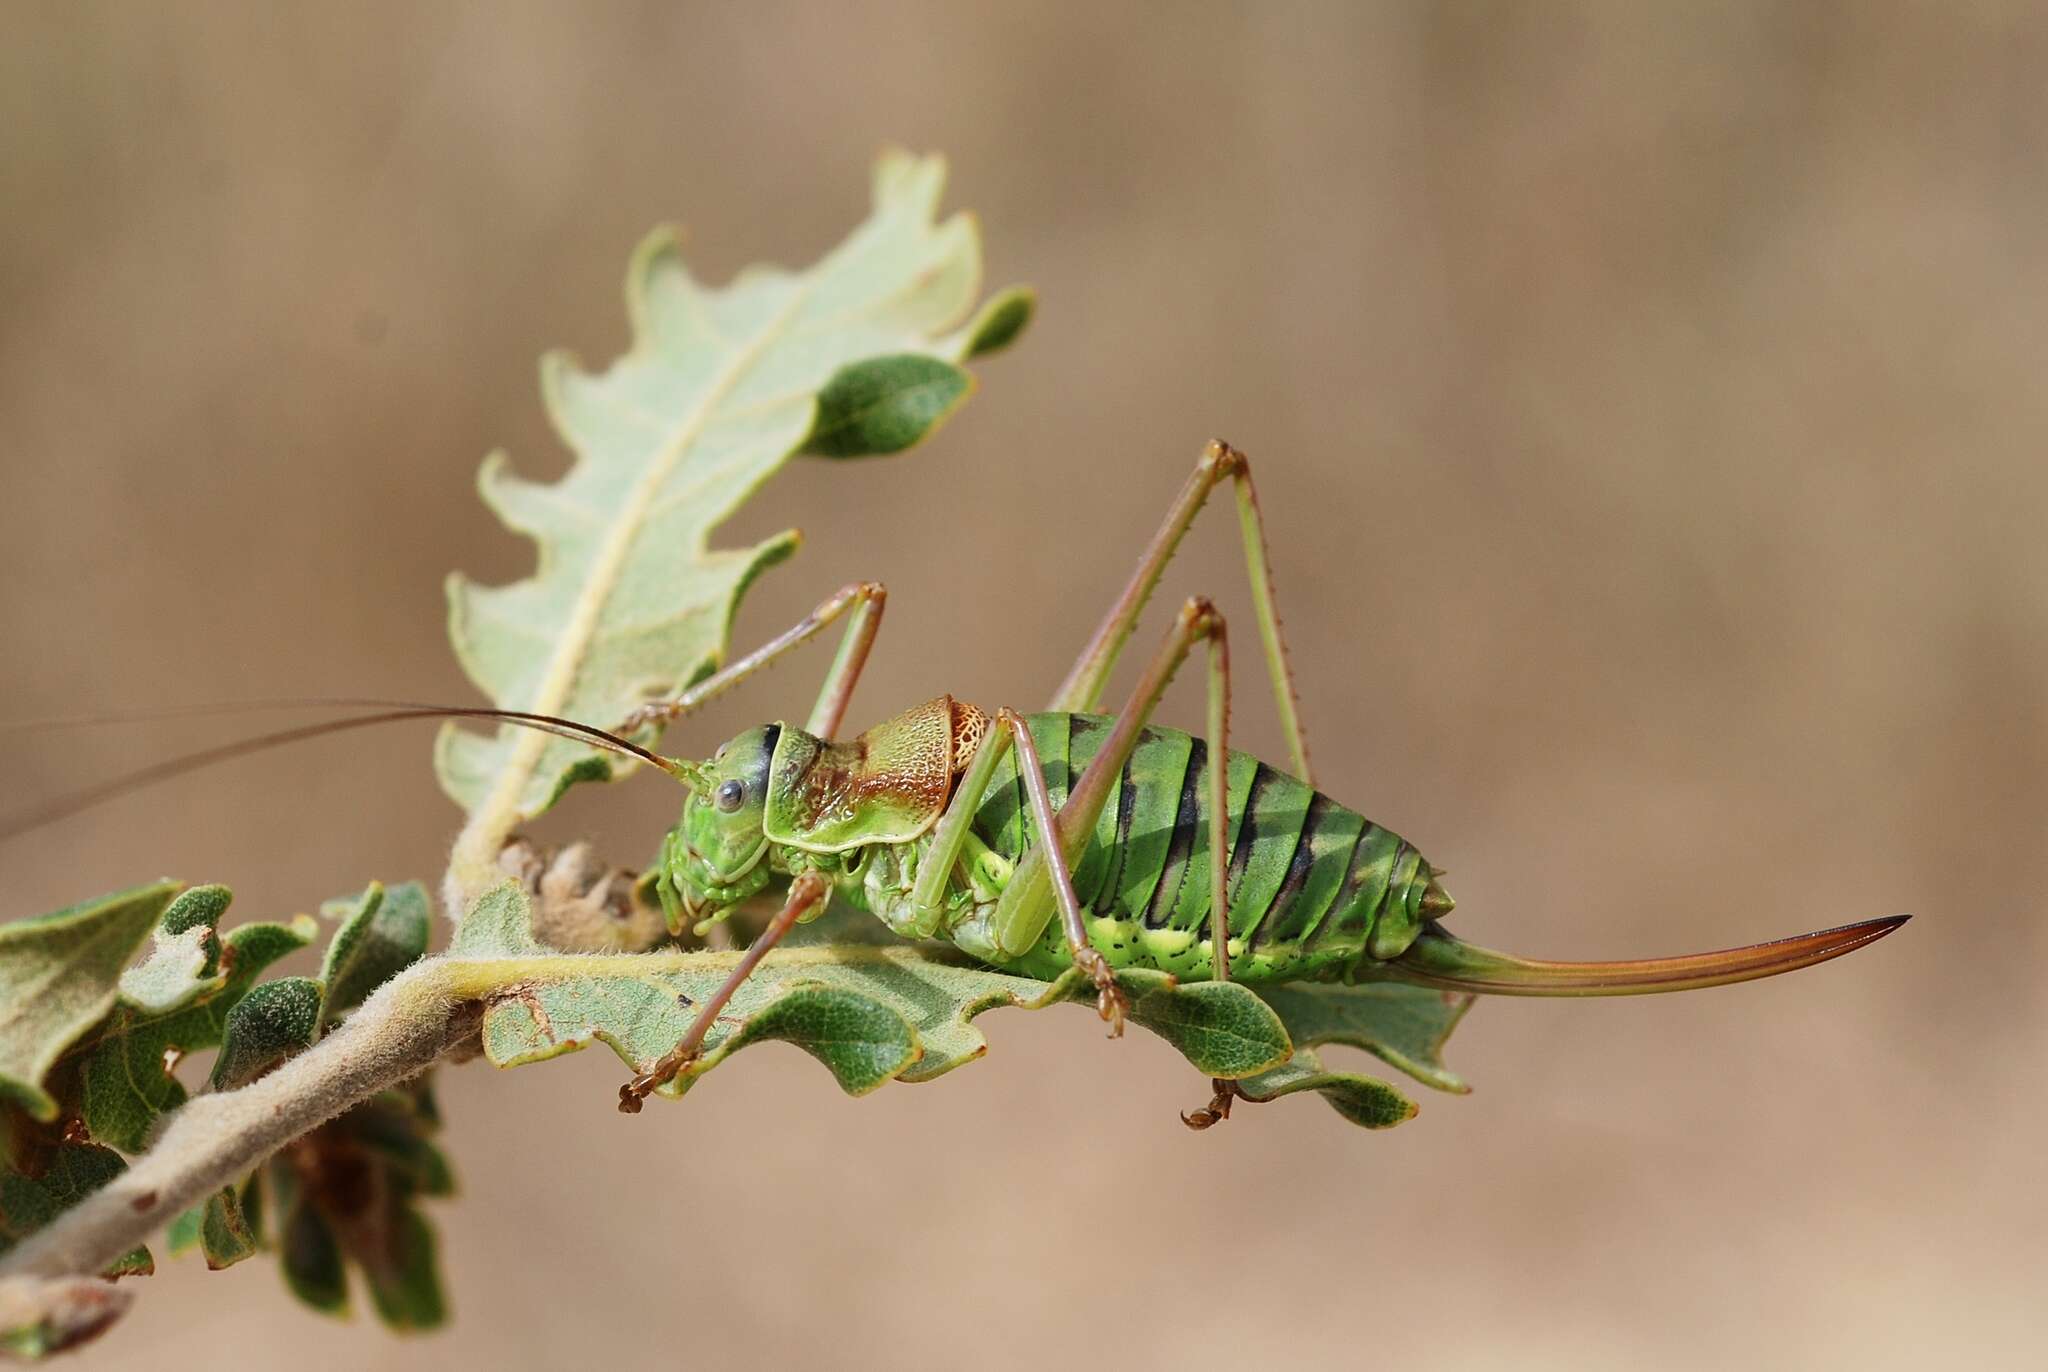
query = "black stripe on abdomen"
{"x": 1269, "y": 833}
{"x": 1187, "y": 823}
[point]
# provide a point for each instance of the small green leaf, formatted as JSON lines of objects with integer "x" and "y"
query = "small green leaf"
{"x": 250, "y": 1198}
{"x": 498, "y": 925}
{"x": 310, "y": 1255}
{"x": 860, "y": 1040}
{"x": 218, "y": 1227}
{"x": 127, "y": 1070}
{"x": 136, "y": 1262}
{"x": 347, "y": 1195}
{"x": 380, "y": 937}
{"x": 271, "y": 1023}
{"x": 406, "y": 1289}
{"x": 198, "y": 907}
{"x": 885, "y": 404}
{"x": 1364, "y": 1101}
{"x": 226, "y": 1227}
{"x": 1222, "y": 1028}
{"x": 1001, "y": 319}
{"x": 59, "y": 975}
{"x": 183, "y": 1233}
{"x": 1402, "y": 1025}
{"x": 42, "y": 1180}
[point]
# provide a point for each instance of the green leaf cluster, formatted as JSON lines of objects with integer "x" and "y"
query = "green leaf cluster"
{"x": 348, "y": 1193}
{"x": 345, "y": 1195}
{"x": 90, "y": 1048}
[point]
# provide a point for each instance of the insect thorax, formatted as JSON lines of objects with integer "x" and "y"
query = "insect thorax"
{"x": 881, "y": 877}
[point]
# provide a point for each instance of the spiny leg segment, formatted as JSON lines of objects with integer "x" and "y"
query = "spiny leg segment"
{"x": 949, "y": 839}
{"x": 1089, "y": 677}
{"x": 1028, "y": 901}
{"x": 1084, "y": 685}
{"x": 807, "y": 893}
{"x": 1110, "y": 1001}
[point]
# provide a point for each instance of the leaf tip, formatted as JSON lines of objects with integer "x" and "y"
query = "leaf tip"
{"x": 907, "y": 178}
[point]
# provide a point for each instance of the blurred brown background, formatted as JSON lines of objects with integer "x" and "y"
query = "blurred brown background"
{"x": 1648, "y": 413}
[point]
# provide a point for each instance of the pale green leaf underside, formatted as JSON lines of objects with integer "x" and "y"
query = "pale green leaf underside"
{"x": 876, "y": 1012}
{"x": 718, "y": 391}
{"x": 59, "y": 975}
{"x": 175, "y": 974}
{"x": 186, "y": 960}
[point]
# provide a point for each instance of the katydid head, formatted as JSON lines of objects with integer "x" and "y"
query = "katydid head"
{"x": 721, "y": 823}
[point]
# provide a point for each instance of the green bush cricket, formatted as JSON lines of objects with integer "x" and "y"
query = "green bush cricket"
{"x": 941, "y": 823}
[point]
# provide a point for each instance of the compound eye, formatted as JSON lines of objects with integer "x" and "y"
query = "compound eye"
{"x": 729, "y": 795}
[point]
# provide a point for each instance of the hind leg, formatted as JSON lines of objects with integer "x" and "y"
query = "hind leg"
{"x": 1083, "y": 688}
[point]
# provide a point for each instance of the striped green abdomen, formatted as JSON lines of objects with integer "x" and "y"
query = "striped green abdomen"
{"x": 1314, "y": 887}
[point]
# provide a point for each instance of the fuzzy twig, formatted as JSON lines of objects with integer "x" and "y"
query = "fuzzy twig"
{"x": 416, "y": 1018}
{"x": 214, "y": 1140}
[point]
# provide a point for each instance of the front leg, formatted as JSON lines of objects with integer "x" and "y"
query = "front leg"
{"x": 807, "y": 893}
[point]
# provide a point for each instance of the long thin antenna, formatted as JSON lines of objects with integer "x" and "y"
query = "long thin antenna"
{"x": 159, "y": 713}
{"x": 65, "y": 806}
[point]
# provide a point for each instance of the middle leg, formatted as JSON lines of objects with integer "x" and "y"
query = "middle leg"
{"x": 1110, "y": 1001}
{"x": 1198, "y": 622}
{"x": 1034, "y": 892}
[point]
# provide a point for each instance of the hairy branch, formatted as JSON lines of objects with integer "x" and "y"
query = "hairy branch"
{"x": 408, "y": 1025}
{"x": 216, "y": 1139}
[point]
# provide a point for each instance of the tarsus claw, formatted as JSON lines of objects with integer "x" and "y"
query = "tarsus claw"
{"x": 1112, "y": 1004}
{"x": 635, "y": 1092}
{"x": 1110, "y": 1001}
{"x": 1218, "y": 1108}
